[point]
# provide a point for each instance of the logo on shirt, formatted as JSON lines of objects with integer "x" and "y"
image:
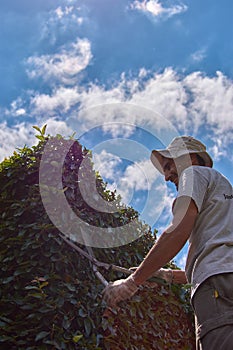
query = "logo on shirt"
{"x": 228, "y": 196}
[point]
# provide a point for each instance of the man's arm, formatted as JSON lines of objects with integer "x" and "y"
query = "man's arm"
{"x": 168, "y": 245}
{"x": 179, "y": 277}
{"x": 170, "y": 242}
{"x": 169, "y": 275}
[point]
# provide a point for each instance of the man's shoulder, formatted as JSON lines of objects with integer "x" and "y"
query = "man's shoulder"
{"x": 207, "y": 175}
{"x": 211, "y": 175}
{"x": 203, "y": 170}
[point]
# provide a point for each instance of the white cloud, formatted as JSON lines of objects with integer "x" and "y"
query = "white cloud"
{"x": 168, "y": 195}
{"x": 142, "y": 73}
{"x": 212, "y": 100}
{"x": 64, "y": 66}
{"x": 133, "y": 180}
{"x": 17, "y": 108}
{"x": 61, "y": 99}
{"x": 152, "y": 6}
{"x": 80, "y": 20}
{"x": 20, "y": 111}
{"x": 165, "y": 94}
{"x": 70, "y": 12}
{"x": 188, "y": 103}
{"x": 222, "y": 144}
{"x": 14, "y": 137}
{"x": 156, "y": 8}
{"x": 55, "y": 127}
{"x": 65, "y": 19}
{"x": 217, "y": 151}
{"x": 198, "y": 55}
{"x": 148, "y": 104}
{"x": 107, "y": 164}
{"x": 61, "y": 12}
{"x": 140, "y": 175}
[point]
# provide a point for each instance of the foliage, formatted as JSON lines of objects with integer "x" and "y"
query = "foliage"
{"x": 50, "y": 297}
{"x": 153, "y": 319}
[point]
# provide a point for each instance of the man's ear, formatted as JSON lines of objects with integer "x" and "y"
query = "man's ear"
{"x": 194, "y": 159}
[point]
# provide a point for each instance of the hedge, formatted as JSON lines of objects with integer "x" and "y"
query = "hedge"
{"x": 50, "y": 296}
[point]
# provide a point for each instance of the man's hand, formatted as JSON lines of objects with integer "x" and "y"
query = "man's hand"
{"x": 119, "y": 290}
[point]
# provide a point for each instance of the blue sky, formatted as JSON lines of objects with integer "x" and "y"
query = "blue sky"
{"x": 126, "y": 76}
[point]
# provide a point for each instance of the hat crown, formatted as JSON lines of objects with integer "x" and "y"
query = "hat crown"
{"x": 188, "y": 143}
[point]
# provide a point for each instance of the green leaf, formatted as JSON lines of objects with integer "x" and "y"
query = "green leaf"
{"x": 37, "y": 295}
{"x": 66, "y": 323}
{"x": 40, "y": 137}
{"x": 31, "y": 287}
{"x": 76, "y": 338}
{"x": 36, "y": 128}
{"x": 43, "y": 129}
{"x": 88, "y": 326}
{"x": 41, "y": 335}
{"x": 7, "y": 279}
{"x": 82, "y": 313}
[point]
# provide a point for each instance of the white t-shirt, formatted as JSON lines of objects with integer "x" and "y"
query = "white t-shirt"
{"x": 211, "y": 242}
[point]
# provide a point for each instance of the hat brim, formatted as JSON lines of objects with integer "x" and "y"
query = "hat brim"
{"x": 157, "y": 158}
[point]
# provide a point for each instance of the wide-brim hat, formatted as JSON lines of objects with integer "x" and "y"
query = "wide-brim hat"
{"x": 179, "y": 147}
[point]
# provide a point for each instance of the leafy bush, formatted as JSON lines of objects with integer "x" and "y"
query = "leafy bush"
{"x": 50, "y": 296}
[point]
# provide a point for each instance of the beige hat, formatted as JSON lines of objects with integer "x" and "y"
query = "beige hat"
{"x": 178, "y": 147}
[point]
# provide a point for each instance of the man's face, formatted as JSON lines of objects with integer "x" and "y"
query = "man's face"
{"x": 170, "y": 171}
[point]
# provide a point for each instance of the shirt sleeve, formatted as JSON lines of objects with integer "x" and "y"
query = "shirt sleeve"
{"x": 194, "y": 184}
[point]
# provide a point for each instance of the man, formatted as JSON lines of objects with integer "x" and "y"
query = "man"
{"x": 202, "y": 214}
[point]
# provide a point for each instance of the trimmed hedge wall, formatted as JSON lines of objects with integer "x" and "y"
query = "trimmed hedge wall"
{"x": 50, "y": 297}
